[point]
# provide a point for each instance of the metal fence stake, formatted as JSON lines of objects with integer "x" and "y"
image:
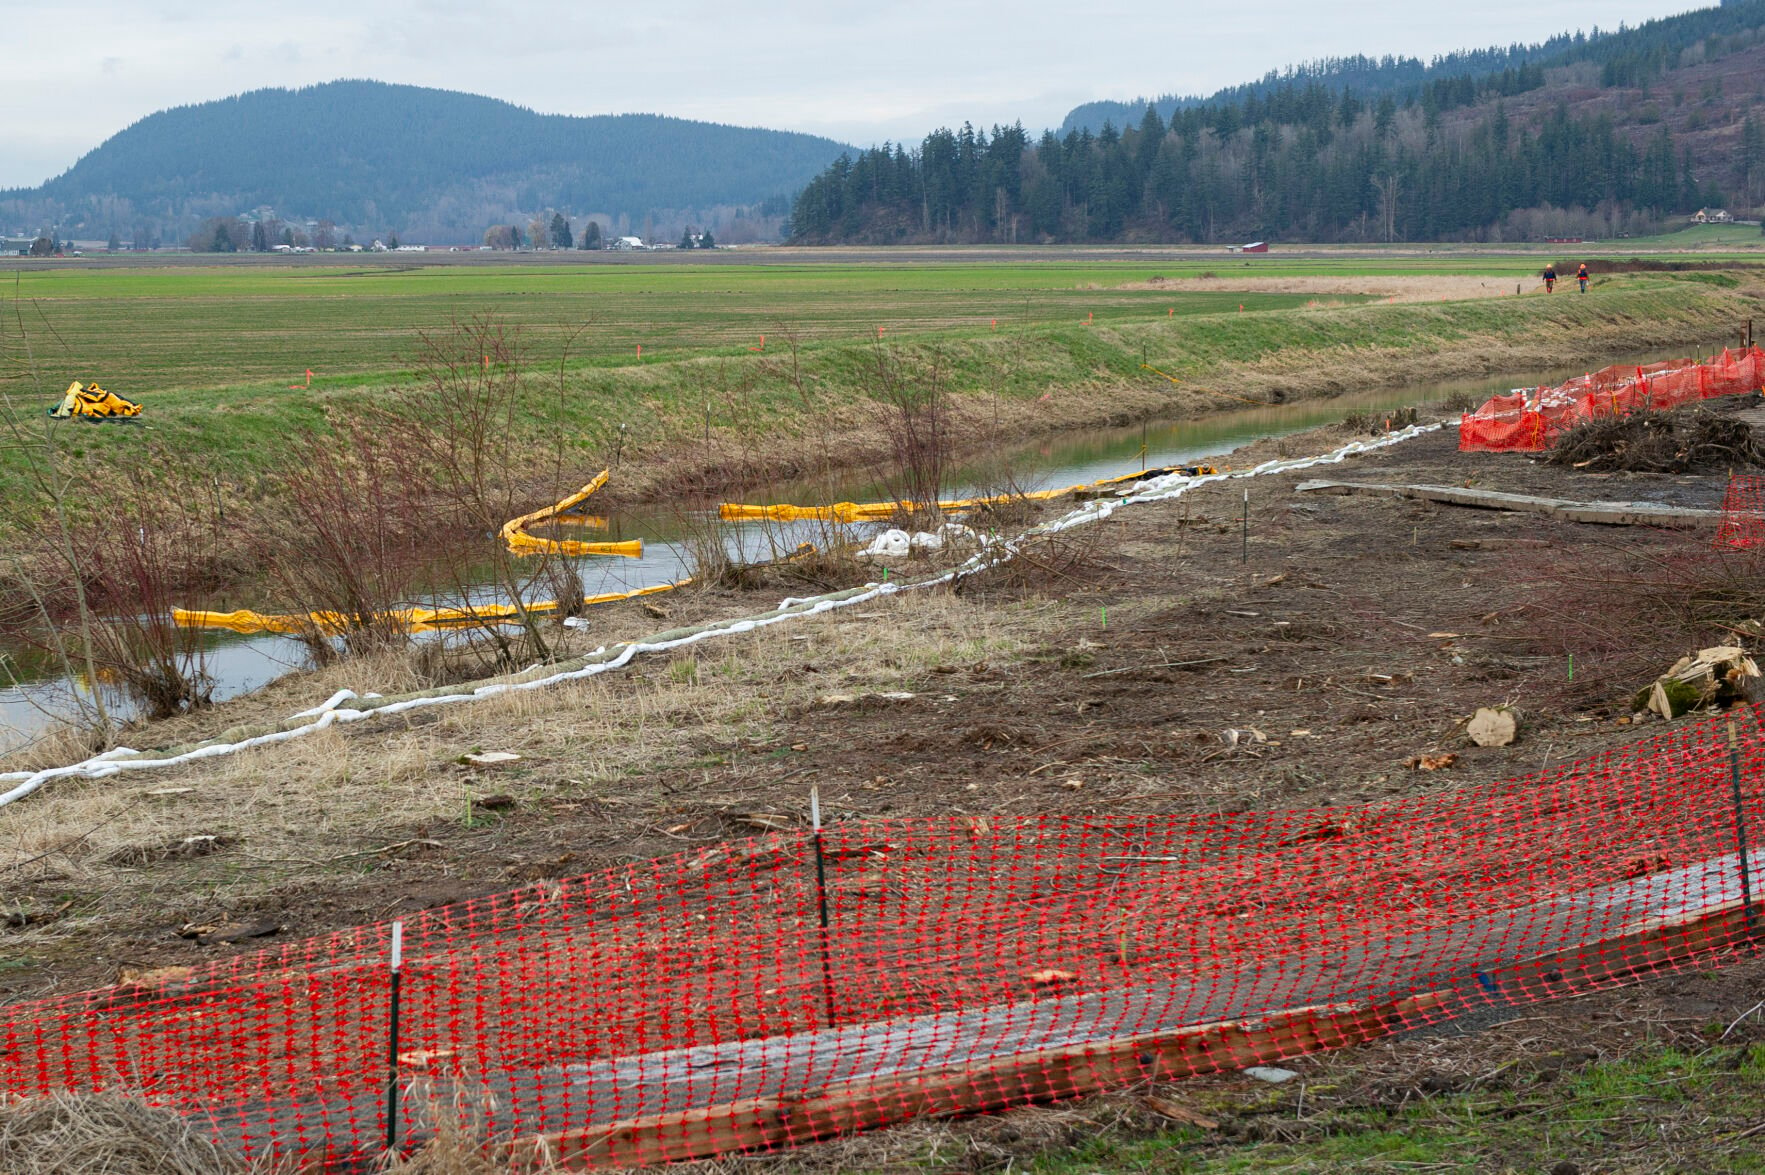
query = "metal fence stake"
{"x": 392, "y": 1038}
{"x": 1740, "y": 828}
{"x": 821, "y": 902}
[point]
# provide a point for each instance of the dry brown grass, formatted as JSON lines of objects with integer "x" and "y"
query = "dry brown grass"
{"x": 59, "y": 744}
{"x": 315, "y": 804}
{"x": 115, "y": 1134}
{"x": 105, "y": 1134}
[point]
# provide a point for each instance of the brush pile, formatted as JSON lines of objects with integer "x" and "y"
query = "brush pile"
{"x": 1676, "y": 442}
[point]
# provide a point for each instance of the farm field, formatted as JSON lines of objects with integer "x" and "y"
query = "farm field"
{"x": 218, "y": 354}
{"x": 158, "y": 330}
{"x": 1736, "y": 238}
{"x": 153, "y": 328}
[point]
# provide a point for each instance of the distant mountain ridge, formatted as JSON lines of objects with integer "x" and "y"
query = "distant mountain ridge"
{"x": 1361, "y": 75}
{"x": 1405, "y": 77}
{"x": 432, "y": 164}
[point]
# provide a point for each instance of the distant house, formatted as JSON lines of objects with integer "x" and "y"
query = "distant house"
{"x": 627, "y": 244}
{"x": 1712, "y": 216}
{"x": 1253, "y": 247}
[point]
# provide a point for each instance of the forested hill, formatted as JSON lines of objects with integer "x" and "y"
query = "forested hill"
{"x": 408, "y": 159}
{"x": 1406, "y": 77}
{"x": 1605, "y": 135}
{"x": 1367, "y": 77}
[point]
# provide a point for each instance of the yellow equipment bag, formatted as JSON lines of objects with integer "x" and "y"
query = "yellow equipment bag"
{"x": 93, "y": 403}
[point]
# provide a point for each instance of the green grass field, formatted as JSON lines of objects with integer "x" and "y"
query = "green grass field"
{"x": 153, "y": 329}
{"x": 1738, "y": 238}
{"x": 150, "y": 331}
{"x": 217, "y": 354}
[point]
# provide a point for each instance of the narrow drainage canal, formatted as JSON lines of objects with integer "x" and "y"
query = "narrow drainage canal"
{"x": 38, "y": 694}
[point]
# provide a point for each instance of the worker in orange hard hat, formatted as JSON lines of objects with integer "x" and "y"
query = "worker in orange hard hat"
{"x": 1550, "y": 278}
{"x": 1581, "y": 276}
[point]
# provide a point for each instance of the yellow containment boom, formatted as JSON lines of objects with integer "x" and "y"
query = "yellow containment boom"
{"x": 882, "y": 511}
{"x": 409, "y": 619}
{"x": 514, "y": 531}
{"x": 91, "y": 402}
{"x": 864, "y": 511}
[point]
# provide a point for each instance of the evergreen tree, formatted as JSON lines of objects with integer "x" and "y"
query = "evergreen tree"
{"x": 686, "y": 238}
{"x": 1752, "y": 161}
{"x": 260, "y": 241}
{"x": 1151, "y": 136}
{"x": 706, "y": 240}
{"x": 560, "y": 229}
{"x": 1385, "y": 117}
{"x": 591, "y": 235}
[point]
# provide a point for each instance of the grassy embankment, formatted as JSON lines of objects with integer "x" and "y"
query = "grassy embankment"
{"x": 1658, "y": 1109}
{"x": 212, "y": 352}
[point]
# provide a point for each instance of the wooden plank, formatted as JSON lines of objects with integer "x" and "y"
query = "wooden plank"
{"x": 1046, "y": 1075}
{"x": 1601, "y": 513}
{"x": 1637, "y": 949}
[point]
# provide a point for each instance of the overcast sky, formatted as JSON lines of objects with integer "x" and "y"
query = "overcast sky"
{"x": 78, "y": 73}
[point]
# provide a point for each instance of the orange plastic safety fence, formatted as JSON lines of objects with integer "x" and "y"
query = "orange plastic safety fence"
{"x": 1532, "y": 418}
{"x": 1743, "y": 513}
{"x": 769, "y": 991}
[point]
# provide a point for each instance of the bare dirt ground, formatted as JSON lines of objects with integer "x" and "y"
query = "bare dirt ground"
{"x": 1398, "y": 288}
{"x": 1354, "y": 634}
